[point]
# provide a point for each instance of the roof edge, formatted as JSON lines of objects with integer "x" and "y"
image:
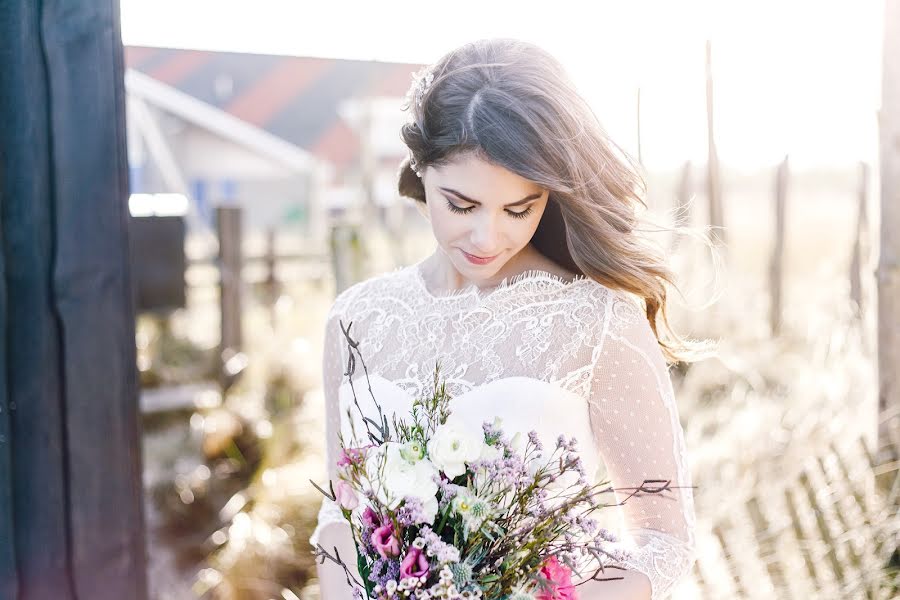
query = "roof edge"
{"x": 208, "y": 116}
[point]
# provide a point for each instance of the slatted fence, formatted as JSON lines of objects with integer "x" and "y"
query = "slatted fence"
{"x": 833, "y": 531}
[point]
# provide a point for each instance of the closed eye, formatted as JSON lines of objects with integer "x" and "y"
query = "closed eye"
{"x": 515, "y": 215}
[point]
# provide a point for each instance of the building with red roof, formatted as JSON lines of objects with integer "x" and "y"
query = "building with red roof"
{"x": 289, "y": 138}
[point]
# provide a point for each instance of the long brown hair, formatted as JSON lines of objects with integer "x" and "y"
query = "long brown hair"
{"x": 511, "y": 103}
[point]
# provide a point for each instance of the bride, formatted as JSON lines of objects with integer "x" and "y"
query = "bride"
{"x": 541, "y": 302}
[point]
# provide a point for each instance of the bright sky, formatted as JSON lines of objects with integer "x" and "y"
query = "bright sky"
{"x": 791, "y": 77}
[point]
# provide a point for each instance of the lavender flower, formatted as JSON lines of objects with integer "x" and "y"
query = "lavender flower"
{"x": 385, "y": 570}
{"x": 411, "y": 509}
{"x": 436, "y": 547}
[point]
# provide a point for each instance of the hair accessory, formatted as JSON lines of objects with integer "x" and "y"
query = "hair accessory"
{"x": 422, "y": 83}
{"x": 414, "y": 165}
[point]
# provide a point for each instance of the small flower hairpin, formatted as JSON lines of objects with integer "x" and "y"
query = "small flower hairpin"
{"x": 423, "y": 80}
{"x": 422, "y": 84}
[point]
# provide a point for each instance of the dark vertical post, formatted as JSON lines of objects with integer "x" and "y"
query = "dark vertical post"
{"x": 70, "y": 463}
{"x": 37, "y": 477}
{"x": 8, "y": 578}
{"x": 230, "y": 262}
{"x": 271, "y": 286}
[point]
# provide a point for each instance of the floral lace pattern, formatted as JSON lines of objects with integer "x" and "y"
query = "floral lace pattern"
{"x": 580, "y": 336}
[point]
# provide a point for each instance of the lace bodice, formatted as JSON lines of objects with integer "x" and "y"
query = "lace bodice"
{"x": 541, "y": 353}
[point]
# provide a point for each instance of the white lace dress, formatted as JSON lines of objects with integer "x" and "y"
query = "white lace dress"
{"x": 560, "y": 357}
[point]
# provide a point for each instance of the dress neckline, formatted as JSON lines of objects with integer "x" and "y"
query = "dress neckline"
{"x": 472, "y": 290}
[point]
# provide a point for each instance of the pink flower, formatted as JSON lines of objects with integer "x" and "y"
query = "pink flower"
{"x": 350, "y": 456}
{"x": 345, "y": 495}
{"x": 385, "y": 542}
{"x": 414, "y": 564}
{"x": 560, "y": 578}
{"x": 370, "y": 518}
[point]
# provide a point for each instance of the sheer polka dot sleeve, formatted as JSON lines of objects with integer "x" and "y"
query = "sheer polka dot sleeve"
{"x": 635, "y": 423}
{"x": 332, "y": 371}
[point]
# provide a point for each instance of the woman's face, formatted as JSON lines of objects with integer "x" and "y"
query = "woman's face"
{"x": 480, "y": 210}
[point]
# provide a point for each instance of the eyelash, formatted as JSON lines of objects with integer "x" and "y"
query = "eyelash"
{"x": 514, "y": 215}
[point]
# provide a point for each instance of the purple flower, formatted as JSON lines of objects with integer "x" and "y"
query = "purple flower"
{"x": 350, "y": 456}
{"x": 384, "y": 570}
{"x": 414, "y": 564}
{"x": 436, "y": 547}
{"x": 385, "y": 542}
{"x": 607, "y": 535}
{"x": 412, "y": 512}
{"x": 370, "y": 518}
{"x": 491, "y": 431}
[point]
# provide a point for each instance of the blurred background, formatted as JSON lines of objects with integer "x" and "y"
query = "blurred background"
{"x": 263, "y": 148}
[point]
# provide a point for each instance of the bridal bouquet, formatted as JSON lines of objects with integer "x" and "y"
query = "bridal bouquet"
{"x": 438, "y": 510}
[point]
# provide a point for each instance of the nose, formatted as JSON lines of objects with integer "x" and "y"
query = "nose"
{"x": 485, "y": 237}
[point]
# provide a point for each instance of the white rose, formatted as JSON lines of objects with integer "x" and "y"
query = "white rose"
{"x": 453, "y": 445}
{"x": 393, "y": 477}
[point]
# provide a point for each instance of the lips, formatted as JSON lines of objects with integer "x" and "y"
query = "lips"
{"x": 478, "y": 260}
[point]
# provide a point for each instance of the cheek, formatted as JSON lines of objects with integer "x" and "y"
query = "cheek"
{"x": 446, "y": 226}
{"x": 531, "y": 227}
{"x": 524, "y": 229}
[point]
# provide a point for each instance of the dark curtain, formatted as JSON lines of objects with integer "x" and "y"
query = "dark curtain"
{"x": 71, "y": 518}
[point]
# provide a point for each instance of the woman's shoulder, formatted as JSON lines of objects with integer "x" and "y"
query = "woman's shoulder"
{"x": 371, "y": 289}
{"x": 614, "y": 306}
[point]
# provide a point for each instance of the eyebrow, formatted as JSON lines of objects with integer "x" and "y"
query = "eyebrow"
{"x": 528, "y": 198}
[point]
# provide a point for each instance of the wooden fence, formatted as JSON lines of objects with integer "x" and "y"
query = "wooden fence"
{"x": 831, "y": 532}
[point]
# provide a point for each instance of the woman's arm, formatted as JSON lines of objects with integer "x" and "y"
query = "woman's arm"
{"x": 332, "y": 530}
{"x": 332, "y": 578}
{"x": 636, "y": 427}
{"x": 634, "y": 585}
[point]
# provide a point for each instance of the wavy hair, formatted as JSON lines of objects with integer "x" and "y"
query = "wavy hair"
{"x": 511, "y": 103}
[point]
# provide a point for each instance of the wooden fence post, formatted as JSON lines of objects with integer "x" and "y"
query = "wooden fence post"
{"x": 713, "y": 186}
{"x": 776, "y": 263}
{"x": 859, "y": 253}
{"x": 805, "y": 540}
{"x": 732, "y": 558}
{"x": 853, "y": 514}
{"x": 768, "y": 551}
{"x": 346, "y": 255}
{"x": 824, "y": 528}
{"x": 888, "y": 273}
{"x": 230, "y": 261}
